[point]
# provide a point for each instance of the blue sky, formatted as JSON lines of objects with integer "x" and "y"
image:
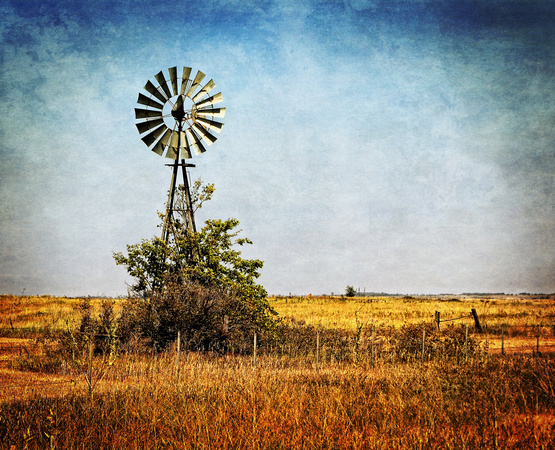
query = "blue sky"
{"x": 397, "y": 146}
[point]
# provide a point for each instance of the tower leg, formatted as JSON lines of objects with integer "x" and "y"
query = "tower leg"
{"x": 169, "y": 207}
{"x": 190, "y": 214}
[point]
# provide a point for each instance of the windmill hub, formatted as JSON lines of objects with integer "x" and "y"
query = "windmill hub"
{"x": 178, "y": 110}
{"x": 180, "y": 113}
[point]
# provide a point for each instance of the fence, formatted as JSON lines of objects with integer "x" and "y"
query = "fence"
{"x": 370, "y": 344}
{"x": 318, "y": 349}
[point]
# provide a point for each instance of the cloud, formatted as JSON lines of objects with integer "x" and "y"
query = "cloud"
{"x": 364, "y": 144}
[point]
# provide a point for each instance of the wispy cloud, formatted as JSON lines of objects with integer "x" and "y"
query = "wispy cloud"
{"x": 401, "y": 146}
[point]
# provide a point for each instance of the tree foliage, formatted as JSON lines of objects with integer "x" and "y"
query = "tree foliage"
{"x": 197, "y": 283}
{"x": 350, "y": 291}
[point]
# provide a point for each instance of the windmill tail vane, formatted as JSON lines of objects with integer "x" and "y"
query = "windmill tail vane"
{"x": 176, "y": 118}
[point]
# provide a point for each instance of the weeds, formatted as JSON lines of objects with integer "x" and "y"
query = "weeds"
{"x": 222, "y": 403}
{"x": 456, "y": 396}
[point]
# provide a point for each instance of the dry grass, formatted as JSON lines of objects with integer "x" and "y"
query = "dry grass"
{"x": 142, "y": 401}
{"x": 222, "y": 402}
{"x": 31, "y": 315}
{"x": 346, "y": 313}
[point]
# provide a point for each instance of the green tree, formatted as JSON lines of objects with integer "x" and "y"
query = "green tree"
{"x": 197, "y": 283}
{"x": 350, "y": 291}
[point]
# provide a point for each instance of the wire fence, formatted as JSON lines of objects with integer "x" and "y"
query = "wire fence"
{"x": 371, "y": 345}
{"x": 363, "y": 342}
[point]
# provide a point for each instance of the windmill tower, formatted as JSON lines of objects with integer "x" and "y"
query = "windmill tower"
{"x": 177, "y": 123}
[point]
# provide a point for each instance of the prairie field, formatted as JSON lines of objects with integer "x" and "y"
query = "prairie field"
{"x": 472, "y": 396}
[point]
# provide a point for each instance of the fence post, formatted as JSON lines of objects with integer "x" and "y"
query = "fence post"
{"x": 317, "y": 350}
{"x": 89, "y": 371}
{"x": 502, "y": 339}
{"x": 476, "y": 320}
{"x": 177, "y": 354}
{"x": 437, "y": 319}
{"x": 537, "y": 339}
{"x": 373, "y": 339}
{"x": 423, "y": 341}
{"x": 466, "y": 344}
{"x": 487, "y": 340}
{"x": 254, "y": 352}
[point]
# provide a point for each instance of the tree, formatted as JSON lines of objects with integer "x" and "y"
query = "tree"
{"x": 197, "y": 283}
{"x": 350, "y": 291}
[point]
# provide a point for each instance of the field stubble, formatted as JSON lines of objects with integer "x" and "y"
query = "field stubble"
{"x": 142, "y": 401}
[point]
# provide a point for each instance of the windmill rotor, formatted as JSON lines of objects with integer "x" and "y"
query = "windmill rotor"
{"x": 176, "y": 118}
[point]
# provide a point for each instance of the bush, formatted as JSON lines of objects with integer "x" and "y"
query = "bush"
{"x": 206, "y": 317}
{"x": 197, "y": 284}
{"x": 350, "y": 291}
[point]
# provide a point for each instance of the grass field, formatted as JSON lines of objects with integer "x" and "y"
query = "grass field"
{"x": 209, "y": 401}
{"x": 343, "y": 312}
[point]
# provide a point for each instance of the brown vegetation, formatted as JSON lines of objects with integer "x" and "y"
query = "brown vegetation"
{"x": 284, "y": 399}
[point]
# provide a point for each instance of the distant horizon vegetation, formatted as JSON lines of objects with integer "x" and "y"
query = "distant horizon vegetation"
{"x": 332, "y": 294}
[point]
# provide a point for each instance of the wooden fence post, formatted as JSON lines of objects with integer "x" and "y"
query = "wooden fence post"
{"x": 437, "y": 319}
{"x": 423, "y": 341}
{"x": 476, "y": 320}
{"x": 373, "y": 339}
{"x": 466, "y": 344}
{"x": 537, "y": 339}
{"x": 487, "y": 340}
{"x": 317, "y": 350}
{"x": 502, "y": 339}
{"x": 89, "y": 371}
{"x": 254, "y": 352}
{"x": 177, "y": 354}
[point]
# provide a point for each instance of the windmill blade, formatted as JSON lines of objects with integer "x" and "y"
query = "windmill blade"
{"x": 205, "y": 135}
{"x": 211, "y": 124}
{"x": 196, "y": 84}
{"x": 145, "y": 126}
{"x": 217, "y": 98}
{"x": 202, "y": 122}
{"x": 172, "y": 151}
{"x": 146, "y": 113}
{"x": 151, "y": 89}
{"x": 216, "y": 112}
{"x": 194, "y": 143}
{"x": 178, "y": 146}
{"x": 205, "y": 90}
{"x": 161, "y": 144}
{"x": 144, "y": 100}
{"x": 162, "y": 81}
{"x": 151, "y": 137}
{"x": 173, "y": 148}
{"x": 173, "y": 78}
{"x": 185, "y": 79}
{"x": 174, "y": 140}
{"x": 185, "y": 151}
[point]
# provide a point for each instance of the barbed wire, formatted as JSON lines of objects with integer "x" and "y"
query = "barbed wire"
{"x": 41, "y": 330}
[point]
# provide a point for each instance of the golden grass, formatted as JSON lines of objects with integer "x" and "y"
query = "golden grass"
{"x": 40, "y": 313}
{"x": 225, "y": 402}
{"x": 347, "y": 313}
{"x": 329, "y": 312}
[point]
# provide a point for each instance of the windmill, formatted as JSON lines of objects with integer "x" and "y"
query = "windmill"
{"x": 177, "y": 123}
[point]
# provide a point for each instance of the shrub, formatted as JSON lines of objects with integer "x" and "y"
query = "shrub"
{"x": 350, "y": 291}
{"x": 196, "y": 283}
{"x": 207, "y": 317}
